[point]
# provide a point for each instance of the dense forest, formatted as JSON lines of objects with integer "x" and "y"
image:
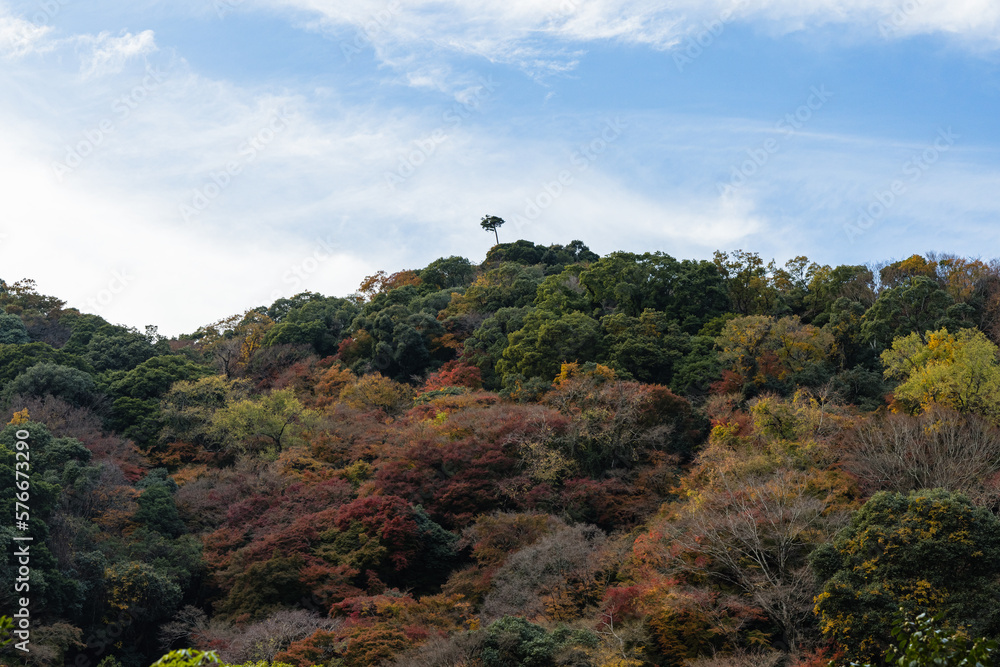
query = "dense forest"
{"x": 549, "y": 458}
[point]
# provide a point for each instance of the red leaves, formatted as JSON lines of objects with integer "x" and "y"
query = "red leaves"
{"x": 455, "y": 373}
{"x": 390, "y": 518}
{"x": 622, "y": 603}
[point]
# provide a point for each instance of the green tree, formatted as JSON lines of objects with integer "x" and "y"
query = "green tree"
{"x": 485, "y": 346}
{"x": 119, "y": 348}
{"x": 917, "y": 305}
{"x": 748, "y": 282}
{"x": 515, "y": 642}
{"x": 491, "y": 223}
{"x": 310, "y": 318}
{"x": 187, "y": 409}
{"x": 136, "y": 394}
{"x": 70, "y": 384}
{"x": 929, "y": 551}
{"x": 826, "y": 286}
{"x": 158, "y": 511}
{"x": 554, "y": 257}
{"x": 12, "y": 330}
{"x": 545, "y": 342}
{"x": 686, "y": 291}
{"x": 509, "y": 285}
{"x": 15, "y": 359}
{"x": 448, "y": 272}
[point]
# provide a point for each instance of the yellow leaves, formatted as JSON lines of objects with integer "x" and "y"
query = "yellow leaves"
{"x": 572, "y": 370}
{"x": 255, "y": 325}
{"x": 382, "y": 282}
{"x": 760, "y": 348}
{"x": 959, "y": 370}
{"x": 19, "y": 418}
{"x": 331, "y": 382}
{"x": 544, "y": 463}
{"x": 376, "y": 391}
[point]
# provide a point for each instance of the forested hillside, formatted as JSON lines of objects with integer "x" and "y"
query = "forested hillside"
{"x": 551, "y": 458}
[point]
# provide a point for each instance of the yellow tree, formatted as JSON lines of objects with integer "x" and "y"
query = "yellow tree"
{"x": 233, "y": 341}
{"x": 266, "y": 424}
{"x": 958, "y": 370}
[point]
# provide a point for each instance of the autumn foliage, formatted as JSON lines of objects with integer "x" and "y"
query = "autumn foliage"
{"x": 550, "y": 458}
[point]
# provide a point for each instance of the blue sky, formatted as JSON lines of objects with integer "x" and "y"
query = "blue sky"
{"x": 175, "y": 163}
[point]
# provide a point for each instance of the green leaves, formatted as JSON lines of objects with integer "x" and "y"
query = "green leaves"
{"x": 187, "y": 658}
{"x": 492, "y": 223}
{"x": 925, "y": 641}
{"x": 546, "y": 341}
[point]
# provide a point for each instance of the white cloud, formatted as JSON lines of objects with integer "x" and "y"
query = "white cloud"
{"x": 18, "y": 37}
{"x": 545, "y": 36}
{"x": 522, "y": 32}
{"x": 110, "y": 55}
{"x": 319, "y": 185}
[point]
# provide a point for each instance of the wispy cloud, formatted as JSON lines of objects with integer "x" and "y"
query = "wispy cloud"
{"x": 540, "y": 37}
{"x": 544, "y": 37}
{"x": 109, "y": 55}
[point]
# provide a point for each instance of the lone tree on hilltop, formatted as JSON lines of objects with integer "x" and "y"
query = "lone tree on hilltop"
{"x": 491, "y": 223}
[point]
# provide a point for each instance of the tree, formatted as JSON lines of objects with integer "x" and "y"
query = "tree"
{"x": 448, "y": 272}
{"x": 118, "y": 348}
{"x": 491, "y": 223}
{"x": 12, "y": 330}
{"x": 158, "y": 511}
{"x": 959, "y": 370}
{"x": 764, "y": 353}
{"x": 376, "y": 392}
{"x": 545, "y": 342}
{"x": 268, "y": 423}
{"x": 515, "y": 642}
{"x": 915, "y": 305}
{"x": 687, "y": 291}
{"x": 186, "y": 411}
{"x": 940, "y": 448}
{"x": 509, "y": 285}
{"x": 756, "y": 533}
{"x": 15, "y": 359}
{"x": 749, "y": 282}
{"x": 929, "y": 551}
{"x": 532, "y": 581}
{"x": 926, "y": 640}
{"x": 47, "y": 379}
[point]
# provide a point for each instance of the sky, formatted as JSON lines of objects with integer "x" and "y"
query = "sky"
{"x": 174, "y": 163}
